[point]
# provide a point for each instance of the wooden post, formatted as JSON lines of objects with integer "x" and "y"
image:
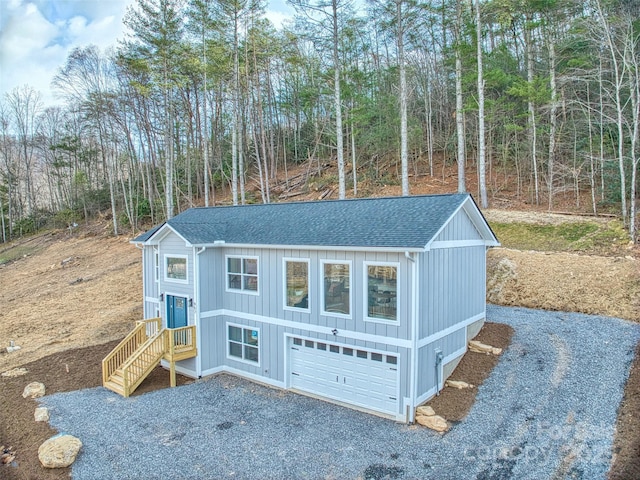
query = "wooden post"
{"x": 172, "y": 363}
{"x": 173, "y": 373}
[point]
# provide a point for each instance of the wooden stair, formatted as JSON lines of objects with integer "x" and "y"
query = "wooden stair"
{"x": 116, "y": 382}
{"x": 135, "y": 357}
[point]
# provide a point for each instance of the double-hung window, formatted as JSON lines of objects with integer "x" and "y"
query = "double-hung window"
{"x": 242, "y": 274}
{"x": 296, "y": 284}
{"x": 336, "y": 291}
{"x": 243, "y": 343}
{"x": 381, "y": 281}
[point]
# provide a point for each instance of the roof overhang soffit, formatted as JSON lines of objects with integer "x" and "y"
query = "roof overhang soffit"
{"x": 162, "y": 233}
{"x": 478, "y": 220}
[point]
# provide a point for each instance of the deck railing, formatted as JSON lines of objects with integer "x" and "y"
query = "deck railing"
{"x": 140, "y": 351}
{"x": 144, "y": 330}
{"x": 180, "y": 340}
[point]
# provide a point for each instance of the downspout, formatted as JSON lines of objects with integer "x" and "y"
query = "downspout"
{"x": 410, "y": 415}
{"x": 196, "y": 319}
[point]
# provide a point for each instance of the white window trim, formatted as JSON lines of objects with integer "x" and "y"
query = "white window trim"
{"x": 242, "y": 360}
{"x": 365, "y": 295}
{"x": 226, "y": 274}
{"x": 165, "y": 266}
{"x": 284, "y": 284}
{"x": 322, "y": 298}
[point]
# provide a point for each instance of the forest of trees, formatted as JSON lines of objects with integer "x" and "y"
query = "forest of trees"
{"x": 208, "y": 94}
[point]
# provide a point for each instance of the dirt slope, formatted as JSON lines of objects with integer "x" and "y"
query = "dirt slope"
{"x": 74, "y": 291}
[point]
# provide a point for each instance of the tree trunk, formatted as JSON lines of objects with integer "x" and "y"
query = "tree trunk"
{"x": 553, "y": 120}
{"x": 482, "y": 182}
{"x": 461, "y": 151}
{"x": 533, "y": 134}
{"x": 404, "y": 153}
{"x": 338, "y": 103}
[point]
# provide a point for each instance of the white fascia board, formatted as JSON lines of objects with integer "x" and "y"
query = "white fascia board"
{"x": 478, "y": 220}
{"x": 336, "y": 248}
{"x": 480, "y": 223}
{"x": 162, "y": 232}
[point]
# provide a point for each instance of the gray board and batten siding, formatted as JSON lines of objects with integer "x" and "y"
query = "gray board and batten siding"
{"x": 435, "y": 244}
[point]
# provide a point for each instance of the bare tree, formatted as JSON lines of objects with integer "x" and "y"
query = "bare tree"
{"x": 482, "y": 180}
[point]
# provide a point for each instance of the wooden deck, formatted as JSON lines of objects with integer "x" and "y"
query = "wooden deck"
{"x": 129, "y": 363}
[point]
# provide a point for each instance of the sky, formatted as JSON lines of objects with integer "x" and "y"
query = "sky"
{"x": 36, "y": 36}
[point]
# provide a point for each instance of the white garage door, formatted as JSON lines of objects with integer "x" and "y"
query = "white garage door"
{"x": 350, "y": 375}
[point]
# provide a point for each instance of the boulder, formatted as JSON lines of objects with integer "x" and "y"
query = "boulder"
{"x": 41, "y": 414}
{"x": 59, "y": 451}
{"x": 425, "y": 410}
{"x": 434, "y": 422}
{"x": 33, "y": 390}
{"x": 15, "y": 372}
{"x": 480, "y": 347}
{"x": 458, "y": 384}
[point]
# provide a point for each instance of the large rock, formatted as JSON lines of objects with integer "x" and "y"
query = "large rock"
{"x": 41, "y": 414}
{"x": 59, "y": 451}
{"x": 459, "y": 384}
{"x": 15, "y": 372}
{"x": 33, "y": 390}
{"x": 425, "y": 410}
{"x": 434, "y": 422}
{"x": 480, "y": 347}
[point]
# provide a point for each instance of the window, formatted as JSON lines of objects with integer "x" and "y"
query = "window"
{"x": 175, "y": 268}
{"x": 156, "y": 265}
{"x": 336, "y": 288}
{"x": 242, "y": 274}
{"x": 243, "y": 343}
{"x": 381, "y": 284}
{"x": 297, "y": 284}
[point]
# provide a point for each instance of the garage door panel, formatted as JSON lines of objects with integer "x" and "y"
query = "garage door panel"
{"x": 346, "y": 374}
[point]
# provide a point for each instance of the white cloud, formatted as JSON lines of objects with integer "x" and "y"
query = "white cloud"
{"x": 36, "y": 36}
{"x": 278, "y": 18}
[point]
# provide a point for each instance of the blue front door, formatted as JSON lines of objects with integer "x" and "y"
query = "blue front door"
{"x": 176, "y": 312}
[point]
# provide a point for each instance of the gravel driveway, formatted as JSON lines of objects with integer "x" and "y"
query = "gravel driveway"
{"x": 547, "y": 411}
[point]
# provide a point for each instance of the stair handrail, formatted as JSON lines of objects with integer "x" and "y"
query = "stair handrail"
{"x": 143, "y": 330}
{"x": 132, "y": 377}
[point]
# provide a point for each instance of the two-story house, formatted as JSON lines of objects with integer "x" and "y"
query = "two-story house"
{"x": 367, "y": 303}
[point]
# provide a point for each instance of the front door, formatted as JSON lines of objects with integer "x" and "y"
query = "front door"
{"x": 176, "y": 312}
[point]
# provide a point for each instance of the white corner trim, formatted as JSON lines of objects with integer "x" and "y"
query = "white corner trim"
{"x": 452, "y": 329}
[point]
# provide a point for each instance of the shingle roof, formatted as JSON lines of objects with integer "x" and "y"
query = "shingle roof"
{"x": 393, "y": 222}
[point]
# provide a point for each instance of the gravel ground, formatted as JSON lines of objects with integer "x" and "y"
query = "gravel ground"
{"x": 547, "y": 411}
